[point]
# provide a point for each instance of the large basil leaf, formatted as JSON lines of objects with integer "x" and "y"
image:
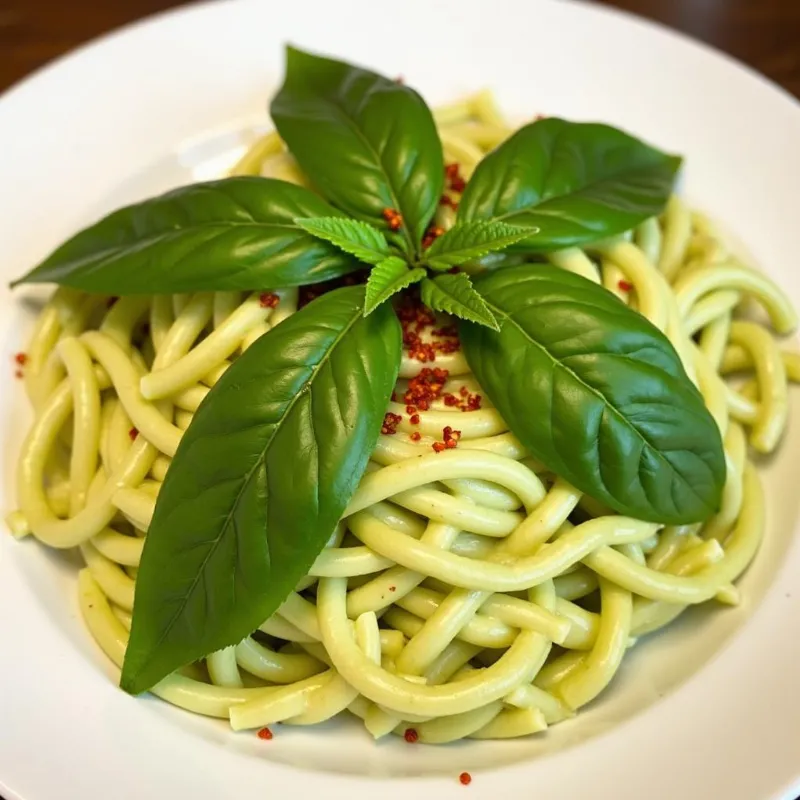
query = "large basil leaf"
{"x": 576, "y": 182}
{"x": 260, "y": 480}
{"x": 598, "y": 394}
{"x": 236, "y": 233}
{"x": 368, "y": 143}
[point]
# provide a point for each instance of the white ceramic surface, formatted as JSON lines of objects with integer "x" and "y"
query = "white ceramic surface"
{"x": 707, "y": 710}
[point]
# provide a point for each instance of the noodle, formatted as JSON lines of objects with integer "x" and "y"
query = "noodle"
{"x": 467, "y": 593}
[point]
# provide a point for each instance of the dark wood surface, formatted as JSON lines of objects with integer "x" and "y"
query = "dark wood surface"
{"x": 763, "y": 33}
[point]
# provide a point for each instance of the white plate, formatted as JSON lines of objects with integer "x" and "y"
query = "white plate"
{"x": 709, "y": 710}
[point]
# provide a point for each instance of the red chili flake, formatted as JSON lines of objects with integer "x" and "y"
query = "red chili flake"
{"x": 394, "y": 397}
{"x": 268, "y": 300}
{"x": 21, "y": 359}
{"x": 447, "y": 331}
{"x": 394, "y": 218}
{"x": 465, "y": 778}
{"x": 416, "y": 318}
{"x": 450, "y": 437}
{"x": 446, "y": 200}
{"x": 110, "y": 302}
{"x": 390, "y": 423}
{"x": 431, "y": 235}
{"x": 438, "y": 447}
{"x": 625, "y": 286}
{"x": 265, "y": 733}
{"x": 415, "y": 437}
{"x": 133, "y": 433}
{"x": 454, "y": 179}
{"x": 411, "y": 410}
{"x": 464, "y": 400}
{"x": 392, "y": 588}
{"x": 411, "y": 736}
{"x": 414, "y": 419}
{"x": 425, "y": 387}
{"x": 18, "y": 374}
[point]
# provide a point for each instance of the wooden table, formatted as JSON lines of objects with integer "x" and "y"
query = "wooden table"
{"x": 763, "y": 33}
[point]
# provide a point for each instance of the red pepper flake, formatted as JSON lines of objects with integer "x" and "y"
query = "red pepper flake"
{"x": 415, "y": 319}
{"x": 265, "y": 733}
{"x": 411, "y": 735}
{"x": 18, "y": 374}
{"x": 474, "y": 403}
{"x": 390, "y": 423}
{"x": 625, "y": 286}
{"x": 268, "y": 300}
{"x": 450, "y": 436}
{"x": 425, "y": 387}
{"x": 446, "y": 200}
{"x": 454, "y": 179}
{"x": 411, "y": 409}
{"x": 414, "y": 419}
{"x": 394, "y": 397}
{"x": 21, "y": 359}
{"x": 133, "y": 433}
{"x": 431, "y": 235}
{"x": 465, "y": 779}
{"x": 392, "y": 588}
{"x": 438, "y": 447}
{"x": 464, "y": 400}
{"x": 415, "y": 437}
{"x": 393, "y": 218}
{"x": 447, "y": 331}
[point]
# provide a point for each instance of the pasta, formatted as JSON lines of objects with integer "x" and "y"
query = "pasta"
{"x": 467, "y": 592}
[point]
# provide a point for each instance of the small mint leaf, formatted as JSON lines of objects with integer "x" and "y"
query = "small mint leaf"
{"x": 455, "y": 294}
{"x": 359, "y": 239}
{"x": 387, "y": 278}
{"x": 467, "y": 241}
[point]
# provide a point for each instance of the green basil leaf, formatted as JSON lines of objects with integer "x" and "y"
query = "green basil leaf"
{"x": 387, "y": 278}
{"x": 260, "y": 480}
{"x": 575, "y": 182}
{"x": 598, "y": 394}
{"x": 367, "y": 142}
{"x": 236, "y": 233}
{"x": 455, "y": 294}
{"x": 467, "y": 241}
{"x": 361, "y": 240}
